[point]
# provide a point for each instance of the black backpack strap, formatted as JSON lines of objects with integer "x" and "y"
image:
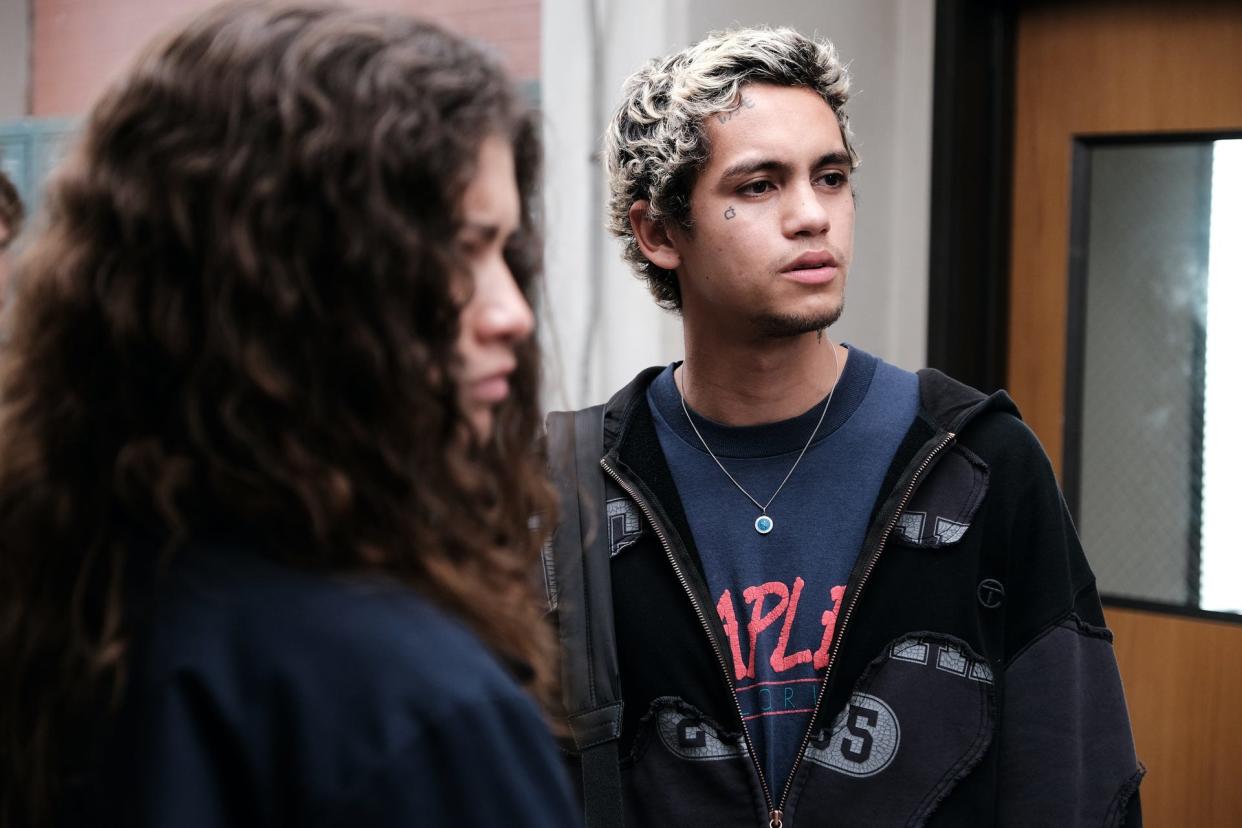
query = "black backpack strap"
{"x": 590, "y": 678}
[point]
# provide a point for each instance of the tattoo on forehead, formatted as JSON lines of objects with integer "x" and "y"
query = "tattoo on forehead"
{"x": 725, "y": 117}
{"x": 730, "y": 213}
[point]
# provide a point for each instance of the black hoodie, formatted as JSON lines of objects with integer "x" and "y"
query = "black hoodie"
{"x": 972, "y": 680}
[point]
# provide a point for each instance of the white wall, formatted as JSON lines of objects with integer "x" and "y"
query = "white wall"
{"x": 14, "y": 58}
{"x": 600, "y": 326}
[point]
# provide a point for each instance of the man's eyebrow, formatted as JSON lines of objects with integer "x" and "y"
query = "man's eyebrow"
{"x": 753, "y": 166}
{"x": 836, "y": 158}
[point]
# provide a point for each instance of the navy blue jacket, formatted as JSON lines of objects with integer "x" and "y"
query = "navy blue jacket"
{"x": 263, "y": 696}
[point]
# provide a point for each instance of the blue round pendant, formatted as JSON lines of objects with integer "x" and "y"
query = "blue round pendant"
{"x": 763, "y": 524}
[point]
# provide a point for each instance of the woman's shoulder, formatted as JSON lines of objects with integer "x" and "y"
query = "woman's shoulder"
{"x": 257, "y": 687}
{"x": 232, "y": 613}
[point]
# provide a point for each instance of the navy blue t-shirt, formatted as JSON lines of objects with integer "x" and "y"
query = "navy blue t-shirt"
{"x": 778, "y": 595}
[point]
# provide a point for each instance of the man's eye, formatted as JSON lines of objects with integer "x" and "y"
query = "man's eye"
{"x": 755, "y": 188}
{"x": 834, "y": 178}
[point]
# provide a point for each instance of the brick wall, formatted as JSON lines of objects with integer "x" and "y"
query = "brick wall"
{"x": 78, "y": 46}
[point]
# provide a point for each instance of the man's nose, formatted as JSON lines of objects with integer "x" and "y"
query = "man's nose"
{"x": 806, "y": 214}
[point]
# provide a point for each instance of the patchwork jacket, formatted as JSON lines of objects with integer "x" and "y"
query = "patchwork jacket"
{"x": 971, "y": 682}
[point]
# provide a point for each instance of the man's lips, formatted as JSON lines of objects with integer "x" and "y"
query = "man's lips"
{"x": 814, "y": 267}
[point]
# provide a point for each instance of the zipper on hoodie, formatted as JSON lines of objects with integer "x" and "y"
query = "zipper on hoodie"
{"x": 776, "y": 811}
{"x": 774, "y": 814}
{"x": 844, "y": 623}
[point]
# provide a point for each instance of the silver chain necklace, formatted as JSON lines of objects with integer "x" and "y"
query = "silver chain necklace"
{"x": 764, "y": 523}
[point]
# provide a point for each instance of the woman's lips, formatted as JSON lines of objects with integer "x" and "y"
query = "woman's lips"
{"x": 490, "y": 390}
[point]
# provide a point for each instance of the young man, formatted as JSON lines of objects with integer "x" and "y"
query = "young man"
{"x": 843, "y": 594}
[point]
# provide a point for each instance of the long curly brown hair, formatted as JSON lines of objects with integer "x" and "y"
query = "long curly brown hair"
{"x": 242, "y": 311}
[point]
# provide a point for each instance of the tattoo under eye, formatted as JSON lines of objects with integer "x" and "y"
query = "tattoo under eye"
{"x": 730, "y": 213}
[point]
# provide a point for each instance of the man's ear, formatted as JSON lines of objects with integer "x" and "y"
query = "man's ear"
{"x": 652, "y": 237}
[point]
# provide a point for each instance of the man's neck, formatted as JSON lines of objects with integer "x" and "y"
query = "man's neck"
{"x": 748, "y": 383}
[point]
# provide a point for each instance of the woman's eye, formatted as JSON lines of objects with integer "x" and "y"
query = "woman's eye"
{"x": 470, "y": 247}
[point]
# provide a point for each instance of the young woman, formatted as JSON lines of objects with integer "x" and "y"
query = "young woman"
{"x": 266, "y": 417}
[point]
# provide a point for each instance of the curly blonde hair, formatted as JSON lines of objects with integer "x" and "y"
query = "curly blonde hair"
{"x": 656, "y": 144}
